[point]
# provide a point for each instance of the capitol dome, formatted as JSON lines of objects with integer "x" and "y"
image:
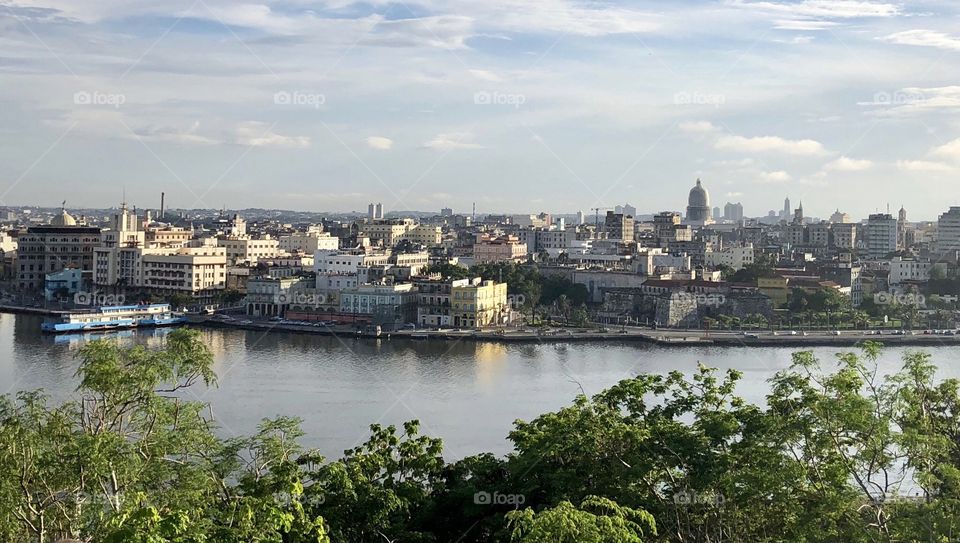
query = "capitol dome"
{"x": 63, "y": 219}
{"x": 699, "y": 197}
{"x": 698, "y": 206}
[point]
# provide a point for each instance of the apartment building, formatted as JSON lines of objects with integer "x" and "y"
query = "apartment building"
{"x": 479, "y": 303}
{"x": 244, "y": 249}
{"x": 489, "y": 249}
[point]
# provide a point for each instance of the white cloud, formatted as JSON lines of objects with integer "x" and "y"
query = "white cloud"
{"x": 949, "y": 151}
{"x": 925, "y": 38}
{"x": 830, "y": 9}
{"x": 449, "y": 142}
{"x": 923, "y": 166}
{"x": 779, "y": 176}
{"x": 803, "y": 24}
{"x": 769, "y": 144}
{"x": 485, "y": 75}
{"x": 256, "y": 135}
{"x": 379, "y": 143}
{"x": 847, "y": 164}
{"x": 698, "y": 127}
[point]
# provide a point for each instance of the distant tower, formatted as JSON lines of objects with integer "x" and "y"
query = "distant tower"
{"x": 580, "y": 218}
{"x": 902, "y": 229}
{"x": 786, "y": 208}
{"x": 798, "y": 214}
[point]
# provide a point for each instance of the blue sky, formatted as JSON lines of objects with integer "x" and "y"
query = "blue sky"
{"x": 551, "y": 105}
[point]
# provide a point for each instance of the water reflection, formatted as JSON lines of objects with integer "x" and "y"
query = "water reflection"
{"x": 466, "y": 392}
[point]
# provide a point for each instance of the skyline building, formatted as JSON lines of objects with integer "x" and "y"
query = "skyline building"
{"x": 698, "y": 206}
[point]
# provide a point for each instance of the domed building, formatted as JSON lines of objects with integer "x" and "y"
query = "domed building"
{"x": 698, "y": 206}
{"x": 63, "y": 219}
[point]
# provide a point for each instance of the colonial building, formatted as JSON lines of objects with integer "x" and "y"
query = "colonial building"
{"x": 62, "y": 244}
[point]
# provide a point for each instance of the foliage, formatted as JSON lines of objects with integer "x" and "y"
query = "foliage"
{"x": 836, "y": 452}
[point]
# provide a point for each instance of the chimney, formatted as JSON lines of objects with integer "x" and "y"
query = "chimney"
{"x": 162, "y": 196}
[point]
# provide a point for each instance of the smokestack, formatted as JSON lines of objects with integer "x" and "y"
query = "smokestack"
{"x": 162, "y": 196}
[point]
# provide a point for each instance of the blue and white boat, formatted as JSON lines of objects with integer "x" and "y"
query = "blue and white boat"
{"x": 114, "y": 318}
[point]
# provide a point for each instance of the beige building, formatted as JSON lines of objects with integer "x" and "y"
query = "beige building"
{"x": 308, "y": 242}
{"x": 244, "y": 249}
{"x": 478, "y": 303}
{"x": 388, "y": 232}
{"x": 196, "y": 271}
{"x": 499, "y": 249}
{"x": 64, "y": 243}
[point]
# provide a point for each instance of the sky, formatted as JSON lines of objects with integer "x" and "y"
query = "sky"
{"x": 520, "y": 106}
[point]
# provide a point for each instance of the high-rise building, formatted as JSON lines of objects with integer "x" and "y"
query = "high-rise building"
{"x": 733, "y": 212}
{"x": 786, "y": 209}
{"x": 948, "y": 232}
{"x": 446, "y": 212}
{"x": 375, "y": 211}
{"x": 580, "y": 218}
{"x": 698, "y": 206}
{"x": 881, "y": 235}
{"x": 839, "y": 218}
{"x": 618, "y": 226}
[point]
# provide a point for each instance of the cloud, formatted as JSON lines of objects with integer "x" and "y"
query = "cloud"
{"x": 779, "y": 176}
{"x": 828, "y": 9}
{"x": 449, "y": 142}
{"x": 254, "y": 134}
{"x": 949, "y": 151}
{"x": 923, "y": 166}
{"x": 769, "y": 144}
{"x": 803, "y": 24}
{"x": 166, "y": 134}
{"x": 698, "y": 127}
{"x": 846, "y": 164}
{"x": 925, "y": 38}
{"x": 379, "y": 143}
{"x": 485, "y": 75}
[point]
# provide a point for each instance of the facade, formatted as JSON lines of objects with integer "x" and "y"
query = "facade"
{"x": 271, "y": 297}
{"x": 618, "y": 226}
{"x": 479, "y": 303}
{"x": 308, "y": 242}
{"x": 881, "y": 235}
{"x": 489, "y": 249}
{"x": 389, "y": 306}
{"x": 199, "y": 272}
{"x": 388, "y": 233}
{"x": 948, "y": 232}
{"x": 64, "y": 282}
{"x": 244, "y": 249}
{"x": 733, "y": 257}
{"x": 52, "y": 248}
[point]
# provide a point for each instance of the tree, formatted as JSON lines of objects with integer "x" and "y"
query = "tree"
{"x": 597, "y": 520}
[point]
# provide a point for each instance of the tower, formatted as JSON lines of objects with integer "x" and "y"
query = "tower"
{"x": 698, "y": 206}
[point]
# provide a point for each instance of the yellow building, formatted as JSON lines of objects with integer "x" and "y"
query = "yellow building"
{"x": 776, "y": 288}
{"x": 478, "y": 303}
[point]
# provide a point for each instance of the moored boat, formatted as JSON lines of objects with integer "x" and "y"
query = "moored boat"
{"x": 114, "y": 317}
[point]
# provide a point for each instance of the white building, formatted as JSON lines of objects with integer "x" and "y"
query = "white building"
{"x": 733, "y": 257}
{"x": 881, "y": 235}
{"x": 902, "y": 270}
{"x": 244, "y": 249}
{"x": 308, "y": 242}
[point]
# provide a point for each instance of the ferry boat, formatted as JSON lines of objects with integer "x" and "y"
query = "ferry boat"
{"x": 115, "y": 317}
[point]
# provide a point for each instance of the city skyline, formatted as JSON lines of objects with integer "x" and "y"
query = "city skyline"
{"x": 328, "y": 106}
